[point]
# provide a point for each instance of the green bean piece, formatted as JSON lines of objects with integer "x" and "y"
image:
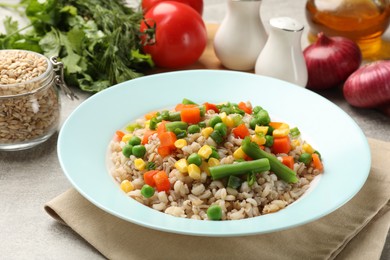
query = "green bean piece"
{"x": 295, "y": 132}
{"x": 202, "y": 124}
{"x": 221, "y": 128}
{"x": 164, "y": 115}
{"x": 253, "y": 123}
{"x": 306, "y": 158}
{"x": 138, "y": 150}
{"x": 171, "y": 126}
{"x": 174, "y": 116}
{"x": 214, "y": 212}
{"x": 127, "y": 150}
{"x": 134, "y": 140}
{"x": 180, "y": 133}
{"x": 225, "y": 170}
{"x": 237, "y": 120}
{"x": 282, "y": 171}
{"x": 194, "y": 158}
{"x": 269, "y": 140}
{"x": 234, "y": 182}
{"x": 186, "y": 101}
{"x": 153, "y": 123}
{"x": 150, "y": 166}
{"x": 217, "y": 137}
{"x": 193, "y": 129}
{"x": 147, "y": 191}
{"x": 251, "y": 178}
{"x": 215, "y": 120}
{"x": 256, "y": 109}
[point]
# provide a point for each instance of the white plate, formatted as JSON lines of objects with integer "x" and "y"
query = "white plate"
{"x": 84, "y": 138}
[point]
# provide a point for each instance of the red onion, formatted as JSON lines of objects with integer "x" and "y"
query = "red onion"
{"x": 369, "y": 86}
{"x": 330, "y": 60}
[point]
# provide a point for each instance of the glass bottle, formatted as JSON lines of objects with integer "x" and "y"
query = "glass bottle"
{"x": 363, "y": 21}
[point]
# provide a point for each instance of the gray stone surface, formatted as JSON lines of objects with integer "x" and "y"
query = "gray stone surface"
{"x": 30, "y": 178}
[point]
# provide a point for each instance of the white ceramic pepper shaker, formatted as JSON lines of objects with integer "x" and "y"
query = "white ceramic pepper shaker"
{"x": 241, "y": 35}
{"x": 282, "y": 55}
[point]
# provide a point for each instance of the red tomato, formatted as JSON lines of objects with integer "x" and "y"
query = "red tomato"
{"x": 180, "y": 36}
{"x": 196, "y": 4}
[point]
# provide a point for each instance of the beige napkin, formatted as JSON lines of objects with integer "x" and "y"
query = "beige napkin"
{"x": 357, "y": 230}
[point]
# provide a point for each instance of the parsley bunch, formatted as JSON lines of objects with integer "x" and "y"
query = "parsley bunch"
{"x": 98, "y": 41}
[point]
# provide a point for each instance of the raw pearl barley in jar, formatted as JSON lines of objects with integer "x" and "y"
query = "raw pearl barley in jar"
{"x": 29, "y": 101}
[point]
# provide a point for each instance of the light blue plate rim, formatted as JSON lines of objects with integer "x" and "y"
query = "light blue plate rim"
{"x": 84, "y": 137}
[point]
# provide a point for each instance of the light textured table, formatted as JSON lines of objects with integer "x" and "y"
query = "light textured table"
{"x": 30, "y": 178}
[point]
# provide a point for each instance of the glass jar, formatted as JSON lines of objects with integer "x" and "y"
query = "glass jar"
{"x": 29, "y": 99}
{"x": 363, "y": 21}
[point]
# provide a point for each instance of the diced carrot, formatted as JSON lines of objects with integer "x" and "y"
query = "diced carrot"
{"x": 162, "y": 181}
{"x": 288, "y": 161}
{"x": 190, "y": 115}
{"x": 243, "y": 106}
{"x": 164, "y": 151}
{"x": 168, "y": 139}
{"x": 148, "y": 177}
{"x": 241, "y": 131}
{"x": 119, "y": 134}
{"x": 161, "y": 128}
{"x": 147, "y": 134}
{"x": 150, "y": 115}
{"x": 281, "y": 145}
{"x": 275, "y": 125}
{"x": 247, "y": 158}
{"x": 180, "y": 107}
{"x": 210, "y": 106}
{"x": 317, "y": 162}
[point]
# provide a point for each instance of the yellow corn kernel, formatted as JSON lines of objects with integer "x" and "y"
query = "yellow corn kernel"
{"x": 295, "y": 143}
{"x": 205, "y": 151}
{"x": 139, "y": 164}
{"x": 227, "y": 120}
{"x": 194, "y": 171}
{"x": 127, "y": 186}
{"x": 284, "y": 126}
{"x": 213, "y": 162}
{"x": 281, "y": 132}
{"x": 182, "y": 165}
{"x": 147, "y": 123}
{"x": 180, "y": 143}
{"x": 126, "y": 138}
{"x": 258, "y": 138}
{"x": 261, "y": 129}
{"x": 206, "y": 132}
{"x": 307, "y": 148}
{"x": 205, "y": 167}
{"x": 239, "y": 153}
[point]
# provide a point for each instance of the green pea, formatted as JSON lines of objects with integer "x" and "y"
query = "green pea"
{"x": 263, "y": 117}
{"x": 237, "y": 119}
{"x": 193, "y": 129}
{"x": 269, "y": 140}
{"x": 270, "y": 130}
{"x": 195, "y": 158}
{"x": 221, "y": 128}
{"x": 134, "y": 140}
{"x": 214, "y": 120}
{"x": 147, "y": 191}
{"x": 127, "y": 150}
{"x": 256, "y": 109}
{"x": 214, "y": 212}
{"x": 214, "y": 154}
{"x": 217, "y": 137}
{"x": 305, "y": 158}
{"x": 253, "y": 123}
{"x": 139, "y": 151}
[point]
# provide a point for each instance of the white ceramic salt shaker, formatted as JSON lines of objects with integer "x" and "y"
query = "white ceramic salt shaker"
{"x": 282, "y": 55}
{"x": 241, "y": 35}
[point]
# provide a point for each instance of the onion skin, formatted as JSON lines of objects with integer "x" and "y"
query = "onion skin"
{"x": 369, "y": 86}
{"x": 330, "y": 60}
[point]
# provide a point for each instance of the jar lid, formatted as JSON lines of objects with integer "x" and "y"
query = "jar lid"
{"x": 286, "y": 24}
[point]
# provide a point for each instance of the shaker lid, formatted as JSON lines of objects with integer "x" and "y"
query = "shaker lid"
{"x": 286, "y": 23}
